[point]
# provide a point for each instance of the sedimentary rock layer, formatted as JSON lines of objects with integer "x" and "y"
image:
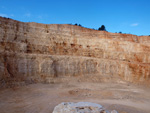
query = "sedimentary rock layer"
{"x": 41, "y": 52}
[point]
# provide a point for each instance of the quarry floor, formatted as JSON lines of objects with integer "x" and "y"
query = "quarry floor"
{"x": 42, "y": 98}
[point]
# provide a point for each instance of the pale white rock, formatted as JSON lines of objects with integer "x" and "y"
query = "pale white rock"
{"x": 114, "y": 111}
{"x": 80, "y": 107}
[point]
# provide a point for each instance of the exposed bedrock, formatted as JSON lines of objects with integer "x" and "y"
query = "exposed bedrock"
{"x": 42, "y": 52}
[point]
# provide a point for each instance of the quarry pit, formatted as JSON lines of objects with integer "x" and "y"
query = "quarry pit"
{"x": 42, "y": 65}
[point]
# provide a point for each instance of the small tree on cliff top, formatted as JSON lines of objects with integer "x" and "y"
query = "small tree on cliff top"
{"x": 102, "y": 28}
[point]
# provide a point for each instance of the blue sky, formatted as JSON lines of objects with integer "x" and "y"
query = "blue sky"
{"x": 127, "y": 16}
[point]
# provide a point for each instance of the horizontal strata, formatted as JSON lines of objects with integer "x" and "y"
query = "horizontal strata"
{"x": 43, "y": 67}
{"x": 42, "y": 51}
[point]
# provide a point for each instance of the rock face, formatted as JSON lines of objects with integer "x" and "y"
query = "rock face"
{"x": 40, "y": 53}
{"x": 80, "y": 107}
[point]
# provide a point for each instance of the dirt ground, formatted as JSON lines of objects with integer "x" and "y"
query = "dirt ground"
{"x": 42, "y": 98}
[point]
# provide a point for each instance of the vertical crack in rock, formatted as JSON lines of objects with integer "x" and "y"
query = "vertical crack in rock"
{"x": 54, "y": 66}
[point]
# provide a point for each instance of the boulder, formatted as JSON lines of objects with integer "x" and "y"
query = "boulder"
{"x": 80, "y": 107}
{"x": 114, "y": 111}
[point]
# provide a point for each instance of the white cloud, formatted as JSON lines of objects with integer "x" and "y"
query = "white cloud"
{"x": 3, "y": 15}
{"x": 7, "y": 16}
{"x": 42, "y": 16}
{"x": 12, "y": 15}
{"x": 27, "y": 15}
{"x": 3, "y": 7}
{"x": 134, "y": 24}
{"x": 39, "y": 17}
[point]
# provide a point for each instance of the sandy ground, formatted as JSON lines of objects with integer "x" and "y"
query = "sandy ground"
{"x": 42, "y": 98}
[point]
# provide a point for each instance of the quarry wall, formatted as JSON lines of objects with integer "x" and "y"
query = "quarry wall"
{"x": 42, "y": 52}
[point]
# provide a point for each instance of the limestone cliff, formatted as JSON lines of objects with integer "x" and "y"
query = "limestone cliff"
{"x": 42, "y": 52}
